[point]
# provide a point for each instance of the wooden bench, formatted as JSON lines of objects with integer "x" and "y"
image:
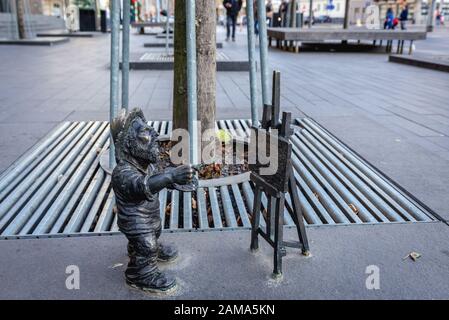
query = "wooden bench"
{"x": 289, "y": 38}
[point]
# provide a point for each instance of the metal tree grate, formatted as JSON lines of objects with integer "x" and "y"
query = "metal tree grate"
{"x": 58, "y": 188}
{"x": 163, "y": 57}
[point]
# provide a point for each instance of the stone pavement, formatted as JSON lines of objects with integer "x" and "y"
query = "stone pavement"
{"x": 395, "y": 116}
{"x": 219, "y": 265}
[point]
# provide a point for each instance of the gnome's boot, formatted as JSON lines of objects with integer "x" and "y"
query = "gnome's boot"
{"x": 166, "y": 253}
{"x": 142, "y": 271}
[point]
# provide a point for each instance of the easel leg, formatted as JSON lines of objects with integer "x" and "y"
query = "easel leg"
{"x": 256, "y": 219}
{"x": 298, "y": 216}
{"x": 270, "y": 217}
{"x": 278, "y": 236}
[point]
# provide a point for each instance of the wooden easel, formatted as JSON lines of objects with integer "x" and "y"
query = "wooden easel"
{"x": 275, "y": 187}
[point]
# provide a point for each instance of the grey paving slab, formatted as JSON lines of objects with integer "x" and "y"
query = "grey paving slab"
{"x": 220, "y": 266}
{"x": 81, "y": 34}
{"x": 440, "y": 62}
{"x": 41, "y": 41}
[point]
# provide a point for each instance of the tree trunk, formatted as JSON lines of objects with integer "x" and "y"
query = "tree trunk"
{"x": 20, "y": 8}
{"x": 310, "y": 13}
{"x": 206, "y": 64}
{"x": 180, "y": 116}
{"x": 293, "y": 14}
{"x": 346, "y": 17}
{"x": 292, "y": 18}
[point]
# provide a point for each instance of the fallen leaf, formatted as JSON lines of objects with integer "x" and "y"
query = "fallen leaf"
{"x": 265, "y": 213}
{"x": 413, "y": 255}
{"x": 116, "y": 265}
{"x": 168, "y": 209}
{"x": 354, "y": 208}
{"x": 239, "y": 220}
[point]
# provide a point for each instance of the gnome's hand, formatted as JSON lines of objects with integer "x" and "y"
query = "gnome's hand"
{"x": 182, "y": 174}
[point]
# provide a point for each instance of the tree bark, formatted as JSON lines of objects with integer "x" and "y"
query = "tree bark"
{"x": 20, "y": 8}
{"x": 293, "y": 14}
{"x": 206, "y": 64}
{"x": 180, "y": 116}
{"x": 346, "y": 17}
{"x": 310, "y": 13}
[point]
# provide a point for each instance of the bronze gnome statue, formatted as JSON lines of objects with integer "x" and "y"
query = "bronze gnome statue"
{"x": 136, "y": 186}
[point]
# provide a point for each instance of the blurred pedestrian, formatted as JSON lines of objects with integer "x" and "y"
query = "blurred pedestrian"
{"x": 283, "y": 12}
{"x": 232, "y": 11}
{"x": 269, "y": 10}
{"x": 388, "y": 24}
{"x": 256, "y": 18}
{"x": 404, "y": 17}
{"x": 438, "y": 17}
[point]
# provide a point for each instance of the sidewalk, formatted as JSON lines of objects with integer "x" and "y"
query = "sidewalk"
{"x": 219, "y": 265}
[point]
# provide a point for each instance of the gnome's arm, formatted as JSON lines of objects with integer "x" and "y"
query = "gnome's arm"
{"x": 180, "y": 175}
{"x": 137, "y": 186}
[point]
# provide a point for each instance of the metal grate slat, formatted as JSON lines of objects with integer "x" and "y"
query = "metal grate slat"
{"x": 214, "y": 207}
{"x": 202, "y": 209}
{"x": 162, "y": 204}
{"x": 241, "y": 206}
{"x": 231, "y": 221}
{"x": 187, "y": 203}
{"x": 96, "y": 207}
{"x": 174, "y": 212}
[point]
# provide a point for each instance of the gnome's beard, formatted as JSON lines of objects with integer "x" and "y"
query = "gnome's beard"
{"x": 144, "y": 153}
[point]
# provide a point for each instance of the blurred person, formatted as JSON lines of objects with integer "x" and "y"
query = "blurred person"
{"x": 269, "y": 10}
{"x": 388, "y": 24}
{"x": 395, "y": 22}
{"x": 404, "y": 17}
{"x": 232, "y": 10}
{"x": 256, "y": 18}
{"x": 240, "y": 20}
{"x": 283, "y": 12}
{"x": 438, "y": 17}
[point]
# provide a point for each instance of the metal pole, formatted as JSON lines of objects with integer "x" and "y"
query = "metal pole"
{"x": 346, "y": 18}
{"x": 114, "y": 81}
{"x": 158, "y": 8}
{"x": 125, "y": 54}
{"x": 263, "y": 49}
{"x": 191, "y": 80}
{"x": 431, "y": 16}
{"x": 252, "y": 62}
{"x": 167, "y": 27}
{"x": 310, "y": 13}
